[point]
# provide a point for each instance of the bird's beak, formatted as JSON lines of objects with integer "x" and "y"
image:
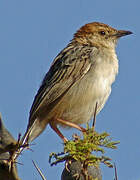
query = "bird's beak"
{"x": 121, "y": 33}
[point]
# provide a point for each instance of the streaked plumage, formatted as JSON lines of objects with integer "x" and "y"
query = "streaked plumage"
{"x": 79, "y": 77}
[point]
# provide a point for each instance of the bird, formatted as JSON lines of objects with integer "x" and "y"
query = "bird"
{"x": 80, "y": 77}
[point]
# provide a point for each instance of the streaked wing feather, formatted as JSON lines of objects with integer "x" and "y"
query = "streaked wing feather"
{"x": 67, "y": 68}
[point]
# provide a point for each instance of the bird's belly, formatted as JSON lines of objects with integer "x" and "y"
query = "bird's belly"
{"x": 78, "y": 104}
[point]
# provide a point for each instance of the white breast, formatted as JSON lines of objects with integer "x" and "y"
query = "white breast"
{"x": 78, "y": 104}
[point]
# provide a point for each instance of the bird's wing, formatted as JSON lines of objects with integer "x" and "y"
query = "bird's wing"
{"x": 67, "y": 68}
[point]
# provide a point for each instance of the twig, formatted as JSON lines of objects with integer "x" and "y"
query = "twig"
{"x": 94, "y": 117}
{"x": 116, "y": 176}
{"x": 39, "y": 171}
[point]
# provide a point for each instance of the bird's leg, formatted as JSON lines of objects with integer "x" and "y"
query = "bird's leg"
{"x": 54, "y": 123}
{"x": 54, "y": 127}
{"x": 70, "y": 124}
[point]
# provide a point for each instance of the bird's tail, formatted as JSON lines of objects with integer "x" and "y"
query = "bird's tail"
{"x": 32, "y": 132}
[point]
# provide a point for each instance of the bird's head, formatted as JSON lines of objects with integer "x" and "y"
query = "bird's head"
{"x": 99, "y": 35}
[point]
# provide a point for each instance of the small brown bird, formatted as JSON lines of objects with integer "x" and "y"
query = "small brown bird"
{"x": 80, "y": 77}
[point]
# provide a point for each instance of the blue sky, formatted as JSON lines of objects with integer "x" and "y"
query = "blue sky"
{"x": 32, "y": 33}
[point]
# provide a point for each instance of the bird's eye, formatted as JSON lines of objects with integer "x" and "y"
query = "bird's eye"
{"x": 102, "y": 33}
